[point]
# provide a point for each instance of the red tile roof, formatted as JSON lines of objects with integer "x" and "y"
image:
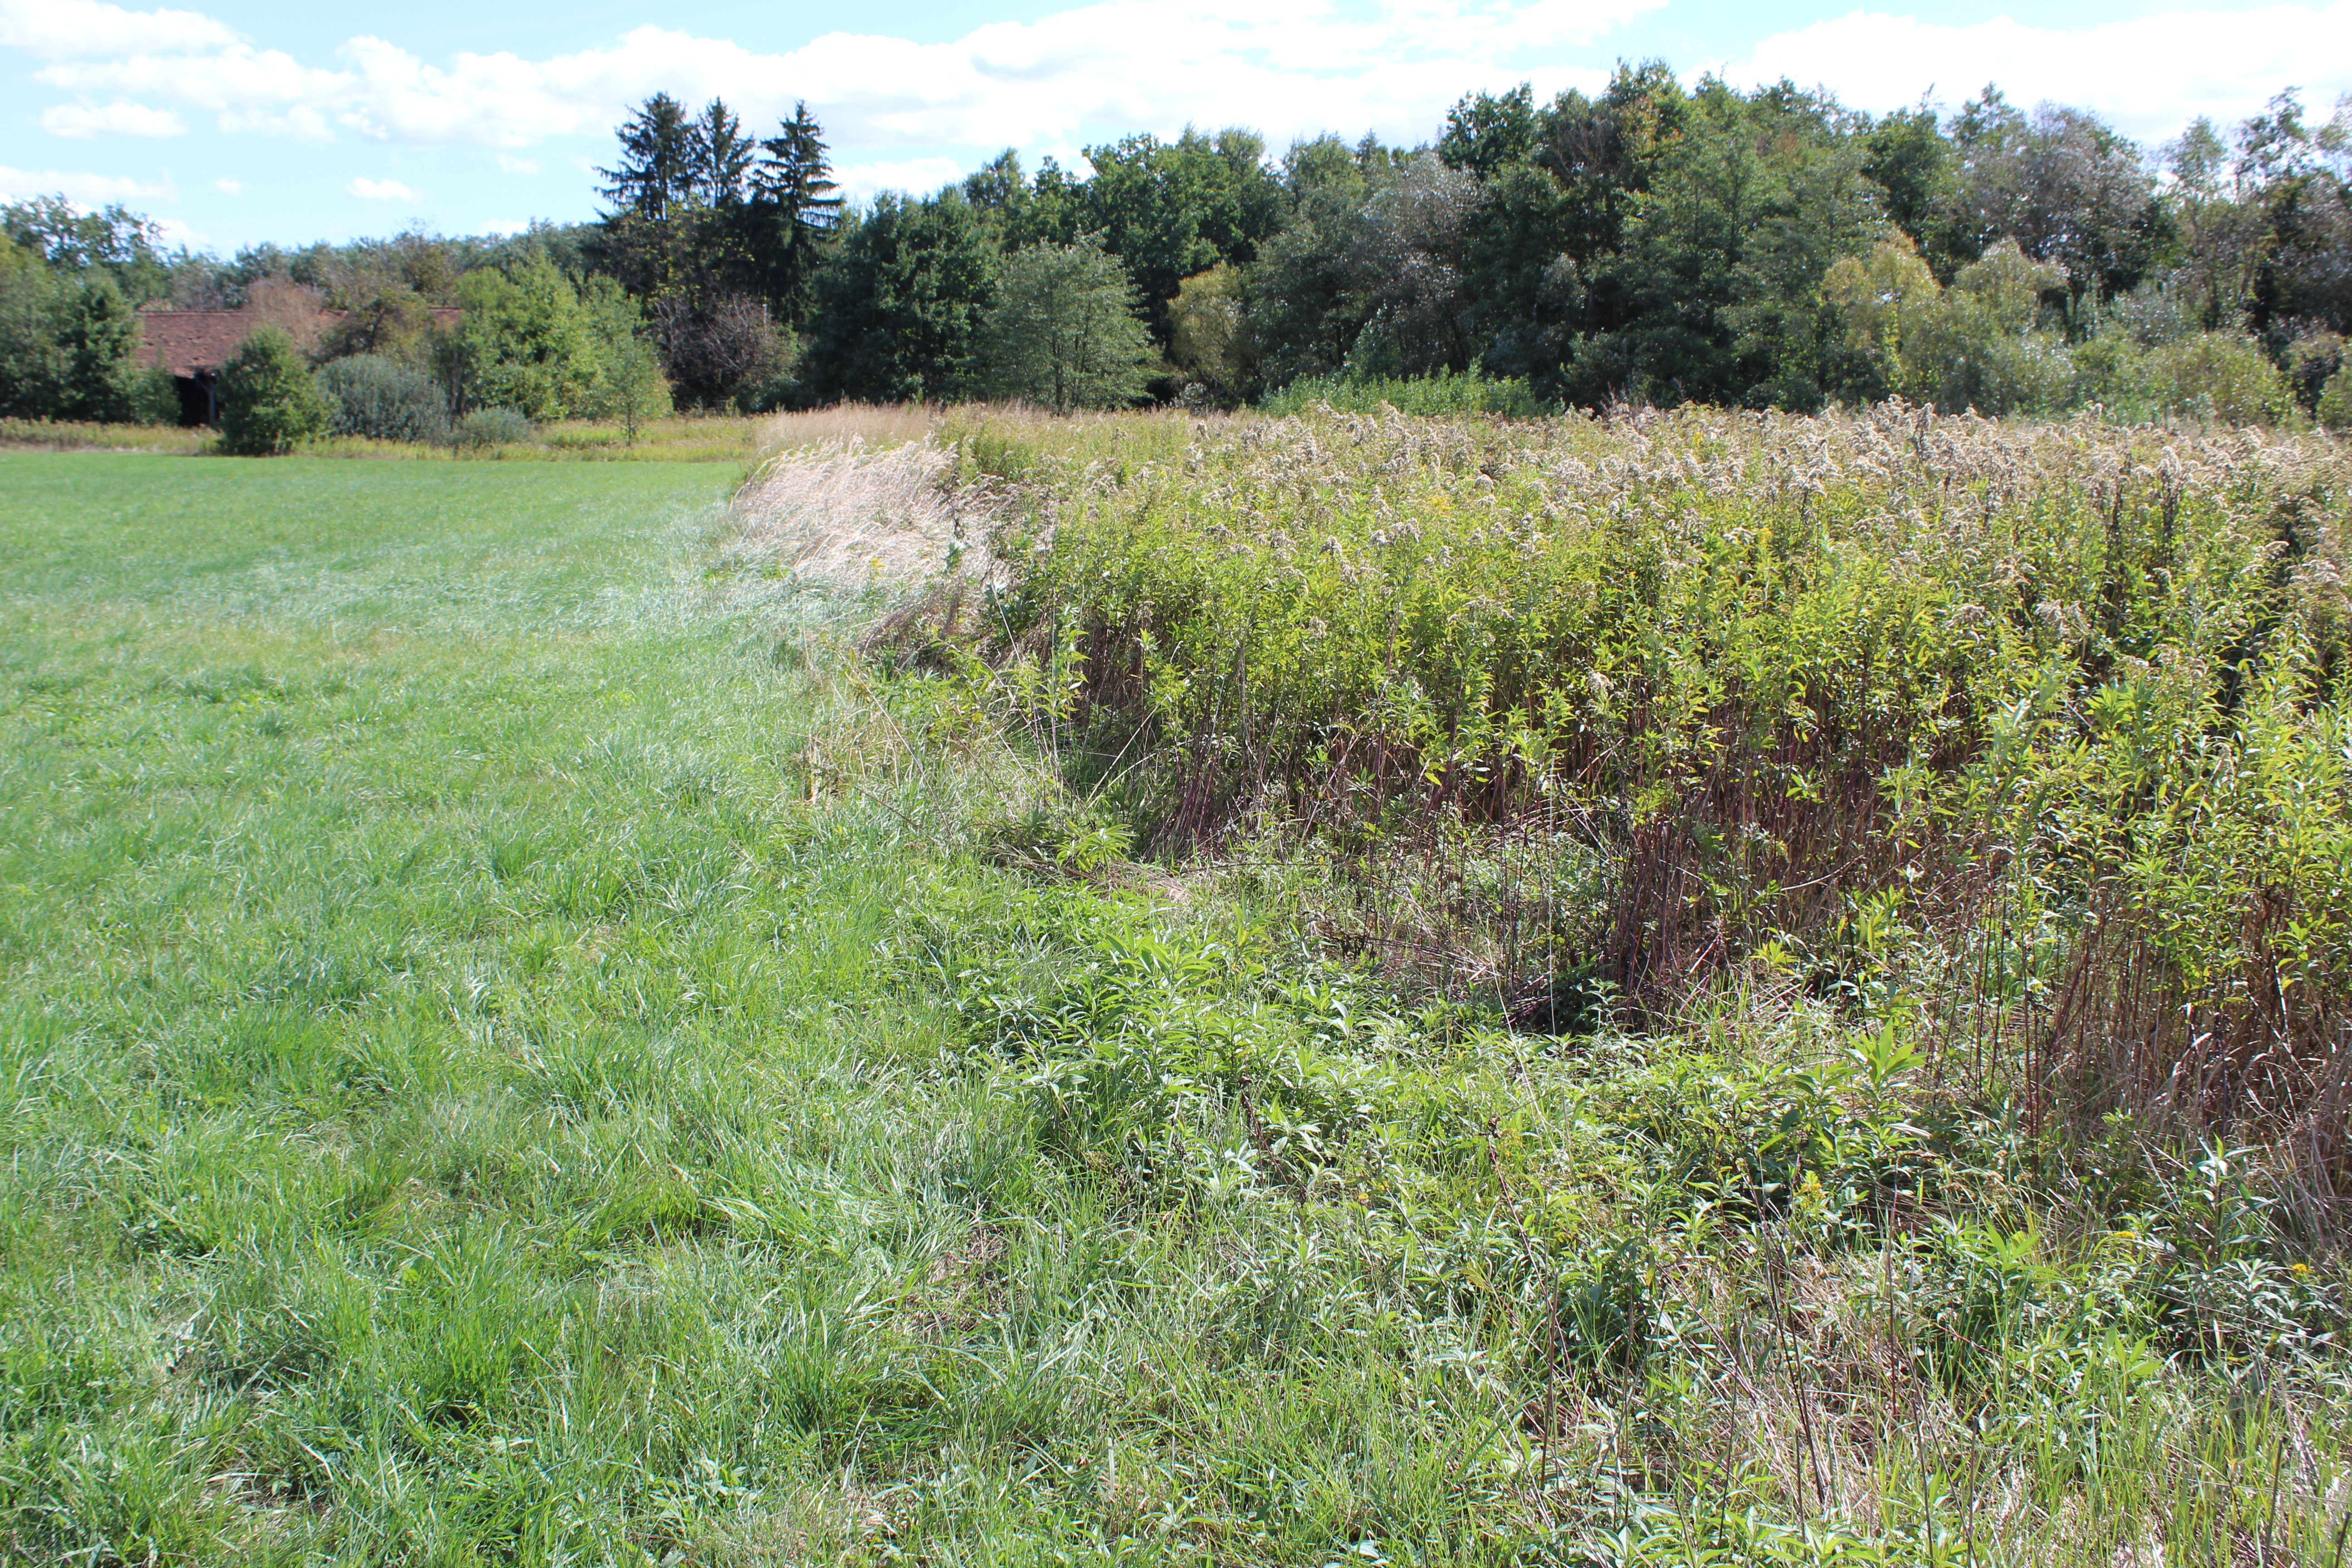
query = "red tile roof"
{"x": 187, "y": 342}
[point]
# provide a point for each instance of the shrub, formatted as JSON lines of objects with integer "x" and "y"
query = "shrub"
{"x": 155, "y": 397}
{"x": 1978, "y": 344}
{"x": 376, "y": 397}
{"x": 2221, "y": 376}
{"x": 490, "y": 427}
{"x": 2334, "y": 409}
{"x": 1467, "y": 391}
{"x": 268, "y": 399}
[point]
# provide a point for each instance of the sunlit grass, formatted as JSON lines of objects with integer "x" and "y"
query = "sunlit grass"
{"x": 683, "y": 439}
{"x": 515, "y": 1046}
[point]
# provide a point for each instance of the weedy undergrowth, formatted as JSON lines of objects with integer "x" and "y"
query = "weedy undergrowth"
{"x": 2031, "y": 738}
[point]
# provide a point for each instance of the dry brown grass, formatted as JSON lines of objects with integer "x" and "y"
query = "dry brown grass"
{"x": 873, "y": 423}
{"x": 1083, "y": 435}
{"x": 852, "y": 514}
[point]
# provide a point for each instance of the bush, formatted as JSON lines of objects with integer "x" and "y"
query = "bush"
{"x": 2334, "y": 409}
{"x": 268, "y": 399}
{"x": 384, "y": 401}
{"x": 1467, "y": 391}
{"x": 490, "y": 427}
{"x": 155, "y": 397}
{"x": 2222, "y": 376}
{"x": 1978, "y": 344}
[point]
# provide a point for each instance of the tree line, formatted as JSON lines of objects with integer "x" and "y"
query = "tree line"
{"x": 1655, "y": 241}
{"x": 1661, "y": 243}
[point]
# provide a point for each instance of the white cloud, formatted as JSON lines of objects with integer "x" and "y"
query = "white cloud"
{"x": 2149, "y": 76}
{"x": 369, "y": 190}
{"x": 1351, "y": 65}
{"x": 84, "y": 190}
{"x": 176, "y": 232}
{"x": 110, "y": 120}
{"x": 909, "y": 114}
{"x": 504, "y": 225}
{"x": 921, "y": 175}
{"x": 235, "y": 78}
{"x": 229, "y": 187}
{"x": 302, "y": 122}
{"x": 63, "y": 28}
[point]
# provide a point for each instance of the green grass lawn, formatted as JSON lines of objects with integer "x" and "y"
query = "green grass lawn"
{"x": 516, "y": 1049}
{"x": 435, "y": 1050}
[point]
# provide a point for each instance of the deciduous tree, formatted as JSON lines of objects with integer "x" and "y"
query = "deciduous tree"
{"x": 1064, "y": 331}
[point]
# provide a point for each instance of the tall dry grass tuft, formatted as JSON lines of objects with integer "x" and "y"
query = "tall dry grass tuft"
{"x": 870, "y": 424}
{"x": 849, "y": 513}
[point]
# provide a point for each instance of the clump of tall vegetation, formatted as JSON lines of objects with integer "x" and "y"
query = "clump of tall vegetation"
{"x": 2032, "y": 741}
{"x": 1800, "y": 958}
{"x": 382, "y": 400}
{"x": 269, "y": 401}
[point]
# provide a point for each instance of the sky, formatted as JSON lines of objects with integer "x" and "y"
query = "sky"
{"x": 239, "y": 121}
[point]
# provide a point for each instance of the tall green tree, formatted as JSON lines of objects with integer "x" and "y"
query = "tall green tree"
{"x": 795, "y": 206}
{"x": 1485, "y": 134}
{"x": 672, "y": 229}
{"x": 1170, "y": 210}
{"x": 1412, "y": 264}
{"x": 1064, "y": 331}
{"x": 101, "y": 370}
{"x": 659, "y": 165}
{"x": 1911, "y": 162}
{"x": 721, "y": 157}
{"x": 900, "y": 301}
{"x": 2068, "y": 188}
{"x": 1306, "y": 294}
{"x": 76, "y": 242}
{"x": 33, "y": 300}
{"x": 524, "y": 343}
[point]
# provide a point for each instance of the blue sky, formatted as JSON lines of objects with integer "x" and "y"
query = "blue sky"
{"x": 240, "y": 121}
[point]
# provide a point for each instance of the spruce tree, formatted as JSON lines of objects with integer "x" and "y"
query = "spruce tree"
{"x": 722, "y": 156}
{"x": 658, "y": 162}
{"x": 102, "y": 354}
{"x": 796, "y": 206}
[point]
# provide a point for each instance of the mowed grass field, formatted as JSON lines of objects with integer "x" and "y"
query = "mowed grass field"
{"x": 448, "y": 1110}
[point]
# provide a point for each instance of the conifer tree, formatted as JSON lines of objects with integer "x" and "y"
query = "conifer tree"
{"x": 722, "y": 156}
{"x": 658, "y": 162}
{"x": 102, "y": 353}
{"x": 798, "y": 205}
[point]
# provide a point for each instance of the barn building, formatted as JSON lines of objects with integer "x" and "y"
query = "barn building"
{"x": 193, "y": 344}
